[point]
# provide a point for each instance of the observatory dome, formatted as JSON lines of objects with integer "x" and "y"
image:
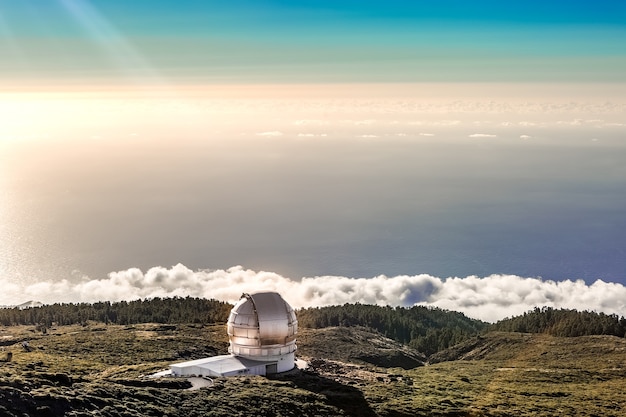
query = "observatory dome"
{"x": 263, "y": 326}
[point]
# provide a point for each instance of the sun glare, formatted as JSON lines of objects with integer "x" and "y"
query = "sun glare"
{"x": 126, "y": 59}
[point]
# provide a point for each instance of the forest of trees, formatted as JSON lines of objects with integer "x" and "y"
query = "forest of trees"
{"x": 425, "y": 329}
{"x": 565, "y": 323}
{"x": 154, "y": 310}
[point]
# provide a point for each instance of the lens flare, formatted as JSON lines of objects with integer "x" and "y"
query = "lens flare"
{"x": 127, "y": 60}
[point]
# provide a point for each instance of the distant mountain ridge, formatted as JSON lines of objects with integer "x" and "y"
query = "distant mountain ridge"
{"x": 25, "y": 305}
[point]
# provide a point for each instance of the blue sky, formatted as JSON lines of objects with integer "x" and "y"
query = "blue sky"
{"x": 313, "y": 41}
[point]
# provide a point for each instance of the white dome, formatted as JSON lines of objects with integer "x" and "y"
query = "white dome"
{"x": 262, "y": 326}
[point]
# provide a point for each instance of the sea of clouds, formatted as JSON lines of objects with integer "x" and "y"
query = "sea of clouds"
{"x": 488, "y": 298}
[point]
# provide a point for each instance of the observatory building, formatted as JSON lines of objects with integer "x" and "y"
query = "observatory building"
{"x": 262, "y": 330}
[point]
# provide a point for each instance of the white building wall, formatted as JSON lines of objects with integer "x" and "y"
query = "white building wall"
{"x": 286, "y": 362}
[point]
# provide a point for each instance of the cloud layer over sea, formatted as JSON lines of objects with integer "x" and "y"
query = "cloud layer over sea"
{"x": 488, "y": 298}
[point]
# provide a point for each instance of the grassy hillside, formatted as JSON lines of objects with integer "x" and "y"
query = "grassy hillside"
{"x": 357, "y": 345}
{"x": 97, "y": 370}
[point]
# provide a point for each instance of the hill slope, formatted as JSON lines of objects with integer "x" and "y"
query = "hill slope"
{"x": 357, "y": 345}
{"x": 540, "y": 349}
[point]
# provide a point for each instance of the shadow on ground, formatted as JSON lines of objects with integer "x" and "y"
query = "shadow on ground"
{"x": 345, "y": 397}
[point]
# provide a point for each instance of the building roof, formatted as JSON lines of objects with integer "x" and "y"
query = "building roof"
{"x": 223, "y": 364}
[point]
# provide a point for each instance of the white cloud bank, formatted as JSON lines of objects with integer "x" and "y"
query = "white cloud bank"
{"x": 490, "y": 298}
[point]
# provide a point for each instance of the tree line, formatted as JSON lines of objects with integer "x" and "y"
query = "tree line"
{"x": 153, "y": 310}
{"x": 564, "y": 323}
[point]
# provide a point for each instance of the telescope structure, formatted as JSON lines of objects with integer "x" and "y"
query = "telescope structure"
{"x": 262, "y": 331}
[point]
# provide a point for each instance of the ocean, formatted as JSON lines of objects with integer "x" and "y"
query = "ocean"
{"x": 549, "y": 203}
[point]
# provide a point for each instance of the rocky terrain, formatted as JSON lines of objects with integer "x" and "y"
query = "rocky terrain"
{"x": 100, "y": 370}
